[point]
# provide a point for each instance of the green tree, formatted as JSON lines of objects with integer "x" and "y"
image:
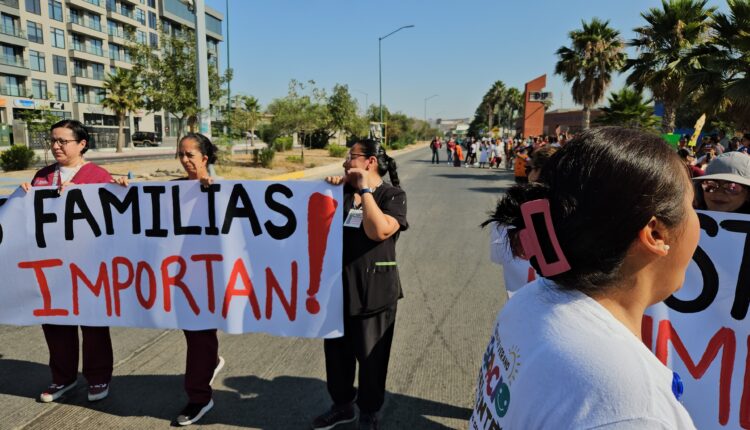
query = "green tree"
{"x": 169, "y": 78}
{"x": 628, "y": 108}
{"x": 595, "y": 52}
{"x": 342, "y": 113}
{"x": 666, "y": 52}
{"x": 124, "y": 95}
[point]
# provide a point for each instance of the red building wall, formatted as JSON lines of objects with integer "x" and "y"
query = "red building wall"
{"x": 533, "y": 121}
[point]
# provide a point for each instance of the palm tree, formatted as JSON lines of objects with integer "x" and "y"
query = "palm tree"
{"x": 627, "y": 108}
{"x": 596, "y": 51}
{"x": 124, "y": 95}
{"x": 492, "y": 100}
{"x": 252, "y": 107}
{"x": 721, "y": 82}
{"x": 666, "y": 48}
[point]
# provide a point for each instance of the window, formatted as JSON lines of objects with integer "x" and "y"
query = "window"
{"x": 35, "y": 32}
{"x": 111, "y": 5}
{"x": 78, "y": 42}
{"x": 80, "y": 69}
{"x": 39, "y": 89}
{"x": 59, "y": 65}
{"x": 154, "y": 40}
{"x": 34, "y": 6}
{"x": 140, "y": 36}
{"x": 61, "y": 92}
{"x": 98, "y": 71}
{"x": 140, "y": 16}
{"x": 55, "y": 10}
{"x": 9, "y": 25}
{"x": 112, "y": 29}
{"x": 36, "y": 61}
{"x": 75, "y": 17}
{"x": 96, "y": 47}
{"x": 82, "y": 94}
{"x": 10, "y": 86}
{"x": 152, "y": 3}
{"x": 95, "y": 22}
{"x": 152, "y": 20}
{"x": 99, "y": 94}
{"x": 58, "y": 38}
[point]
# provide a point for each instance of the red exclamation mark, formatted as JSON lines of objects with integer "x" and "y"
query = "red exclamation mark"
{"x": 320, "y": 212}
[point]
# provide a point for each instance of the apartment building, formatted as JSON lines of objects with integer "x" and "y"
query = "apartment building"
{"x": 55, "y": 54}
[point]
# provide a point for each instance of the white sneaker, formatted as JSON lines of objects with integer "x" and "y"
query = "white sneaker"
{"x": 193, "y": 412}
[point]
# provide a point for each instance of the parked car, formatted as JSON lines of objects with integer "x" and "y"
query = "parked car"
{"x": 146, "y": 138}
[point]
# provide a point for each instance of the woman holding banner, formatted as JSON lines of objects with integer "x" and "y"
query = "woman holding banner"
{"x": 195, "y": 152}
{"x": 610, "y": 226}
{"x": 375, "y": 214}
{"x": 69, "y": 140}
{"x": 726, "y": 185}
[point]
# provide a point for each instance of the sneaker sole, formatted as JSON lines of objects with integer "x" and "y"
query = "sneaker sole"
{"x": 195, "y": 419}
{"x": 49, "y": 398}
{"x": 354, "y": 418}
{"x": 100, "y": 396}
{"x": 217, "y": 369}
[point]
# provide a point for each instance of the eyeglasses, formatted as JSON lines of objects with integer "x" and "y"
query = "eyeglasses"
{"x": 351, "y": 156}
{"x": 62, "y": 142}
{"x": 731, "y": 188}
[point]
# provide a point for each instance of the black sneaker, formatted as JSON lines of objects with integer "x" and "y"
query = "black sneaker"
{"x": 369, "y": 421}
{"x": 193, "y": 412}
{"x": 335, "y": 416}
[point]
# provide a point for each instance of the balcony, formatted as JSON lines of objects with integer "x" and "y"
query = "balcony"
{"x": 126, "y": 18}
{"x": 10, "y": 7}
{"x": 90, "y": 30}
{"x": 121, "y": 63}
{"x": 13, "y": 36}
{"x": 14, "y": 91}
{"x": 16, "y": 66}
{"x": 86, "y": 80}
{"x": 90, "y": 5}
{"x": 88, "y": 54}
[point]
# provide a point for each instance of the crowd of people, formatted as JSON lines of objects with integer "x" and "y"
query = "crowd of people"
{"x": 606, "y": 246}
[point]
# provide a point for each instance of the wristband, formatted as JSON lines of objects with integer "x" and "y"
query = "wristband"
{"x": 363, "y": 191}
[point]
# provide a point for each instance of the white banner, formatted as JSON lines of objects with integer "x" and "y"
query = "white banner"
{"x": 237, "y": 256}
{"x": 702, "y": 331}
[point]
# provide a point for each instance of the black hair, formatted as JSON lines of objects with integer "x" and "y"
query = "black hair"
{"x": 386, "y": 164}
{"x": 603, "y": 188}
{"x": 79, "y": 130}
{"x": 204, "y": 145}
{"x": 541, "y": 156}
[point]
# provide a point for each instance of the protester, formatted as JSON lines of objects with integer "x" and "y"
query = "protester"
{"x": 69, "y": 140}
{"x": 519, "y": 167}
{"x": 203, "y": 362}
{"x": 435, "y": 145}
{"x": 450, "y": 147}
{"x": 745, "y": 144}
{"x": 458, "y": 157}
{"x": 484, "y": 154}
{"x": 566, "y": 351}
{"x": 375, "y": 215}
{"x": 688, "y": 158}
{"x": 726, "y": 185}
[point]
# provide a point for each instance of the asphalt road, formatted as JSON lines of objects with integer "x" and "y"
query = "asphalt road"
{"x": 453, "y": 293}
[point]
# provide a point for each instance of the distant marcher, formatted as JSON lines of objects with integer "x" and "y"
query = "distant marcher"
{"x": 458, "y": 157}
{"x": 520, "y": 166}
{"x": 745, "y": 144}
{"x": 69, "y": 140}
{"x": 435, "y": 146}
{"x": 688, "y": 158}
{"x": 450, "y": 148}
{"x": 484, "y": 155}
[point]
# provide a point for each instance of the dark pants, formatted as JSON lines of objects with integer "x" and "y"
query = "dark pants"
{"x": 341, "y": 362}
{"x": 62, "y": 341}
{"x": 435, "y": 156}
{"x": 202, "y": 357}
{"x": 450, "y": 156}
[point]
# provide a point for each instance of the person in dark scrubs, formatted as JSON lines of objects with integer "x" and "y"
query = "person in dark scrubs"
{"x": 375, "y": 214}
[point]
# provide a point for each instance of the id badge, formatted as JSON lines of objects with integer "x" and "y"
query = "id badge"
{"x": 354, "y": 219}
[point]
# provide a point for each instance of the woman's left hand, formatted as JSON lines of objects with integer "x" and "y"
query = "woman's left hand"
{"x": 206, "y": 181}
{"x": 121, "y": 181}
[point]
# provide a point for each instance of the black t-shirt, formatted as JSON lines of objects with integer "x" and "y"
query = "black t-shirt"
{"x": 370, "y": 274}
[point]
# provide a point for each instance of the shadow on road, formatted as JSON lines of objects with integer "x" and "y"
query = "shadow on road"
{"x": 490, "y": 190}
{"x": 286, "y": 402}
{"x": 470, "y": 176}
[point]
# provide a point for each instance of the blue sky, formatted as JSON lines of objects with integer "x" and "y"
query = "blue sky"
{"x": 457, "y": 49}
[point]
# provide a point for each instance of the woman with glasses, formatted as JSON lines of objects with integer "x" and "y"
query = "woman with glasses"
{"x": 69, "y": 140}
{"x": 375, "y": 214}
{"x": 726, "y": 185}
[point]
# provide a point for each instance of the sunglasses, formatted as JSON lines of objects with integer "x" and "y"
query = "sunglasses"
{"x": 731, "y": 188}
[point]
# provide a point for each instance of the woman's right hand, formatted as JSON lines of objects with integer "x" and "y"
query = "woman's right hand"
{"x": 26, "y": 186}
{"x": 121, "y": 181}
{"x": 335, "y": 180}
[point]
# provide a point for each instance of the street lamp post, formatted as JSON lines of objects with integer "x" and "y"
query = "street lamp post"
{"x": 425, "y": 105}
{"x": 380, "y": 68}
